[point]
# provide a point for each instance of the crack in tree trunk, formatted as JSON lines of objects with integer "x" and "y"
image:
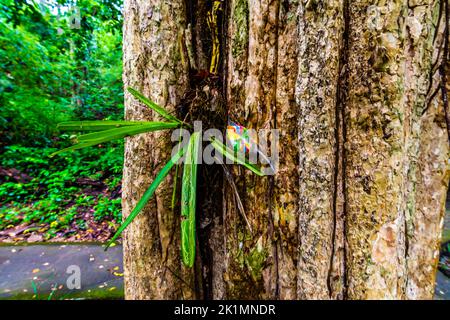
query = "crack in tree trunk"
{"x": 338, "y": 291}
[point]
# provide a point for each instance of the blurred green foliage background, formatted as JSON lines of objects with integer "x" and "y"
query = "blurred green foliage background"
{"x": 59, "y": 60}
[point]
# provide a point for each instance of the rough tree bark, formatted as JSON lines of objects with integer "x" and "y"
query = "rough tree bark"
{"x": 152, "y": 50}
{"x": 355, "y": 210}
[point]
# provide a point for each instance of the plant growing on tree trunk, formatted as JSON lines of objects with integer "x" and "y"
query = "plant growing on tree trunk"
{"x": 104, "y": 131}
{"x": 356, "y": 207}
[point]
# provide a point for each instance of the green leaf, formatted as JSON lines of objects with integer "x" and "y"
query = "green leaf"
{"x": 227, "y": 152}
{"x": 91, "y": 139}
{"x": 148, "y": 194}
{"x": 188, "y": 200}
{"x": 175, "y": 180}
{"x": 127, "y": 131}
{"x": 96, "y": 125}
{"x": 163, "y": 112}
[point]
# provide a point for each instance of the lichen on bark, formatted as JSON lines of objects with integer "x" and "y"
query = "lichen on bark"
{"x": 321, "y": 29}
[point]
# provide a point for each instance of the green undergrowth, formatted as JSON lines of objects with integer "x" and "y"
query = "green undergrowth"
{"x": 56, "y": 192}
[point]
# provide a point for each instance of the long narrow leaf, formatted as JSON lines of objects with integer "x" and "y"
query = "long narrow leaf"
{"x": 227, "y": 152}
{"x": 153, "y": 105}
{"x": 148, "y": 194}
{"x": 74, "y": 147}
{"x": 175, "y": 180}
{"x": 99, "y": 125}
{"x": 127, "y": 131}
{"x": 91, "y": 139}
{"x": 188, "y": 201}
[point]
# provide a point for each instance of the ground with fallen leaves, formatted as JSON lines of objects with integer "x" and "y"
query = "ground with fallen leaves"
{"x": 82, "y": 226}
{"x": 36, "y": 233}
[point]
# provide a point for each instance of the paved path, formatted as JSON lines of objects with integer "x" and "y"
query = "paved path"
{"x": 43, "y": 271}
{"x": 34, "y": 271}
{"x": 442, "y": 291}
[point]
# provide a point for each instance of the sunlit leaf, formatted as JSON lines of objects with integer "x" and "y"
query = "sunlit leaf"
{"x": 91, "y": 139}
{"x": 163, "y": 112}
{"x": 99, "y": 125}
{"x": 127, "y": 131}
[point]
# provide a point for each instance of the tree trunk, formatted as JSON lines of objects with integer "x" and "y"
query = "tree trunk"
{"x": 152, "y": 38}
{"x": 355, "y": 209}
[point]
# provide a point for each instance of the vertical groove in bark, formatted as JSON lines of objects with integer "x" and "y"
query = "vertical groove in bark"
{"x": 235, "y": 70}
{"x": 204, "y": 103}
{"x": 337, "y": 275}
{"x": 320, "y": 29}
{"x": 151, "y": 65}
